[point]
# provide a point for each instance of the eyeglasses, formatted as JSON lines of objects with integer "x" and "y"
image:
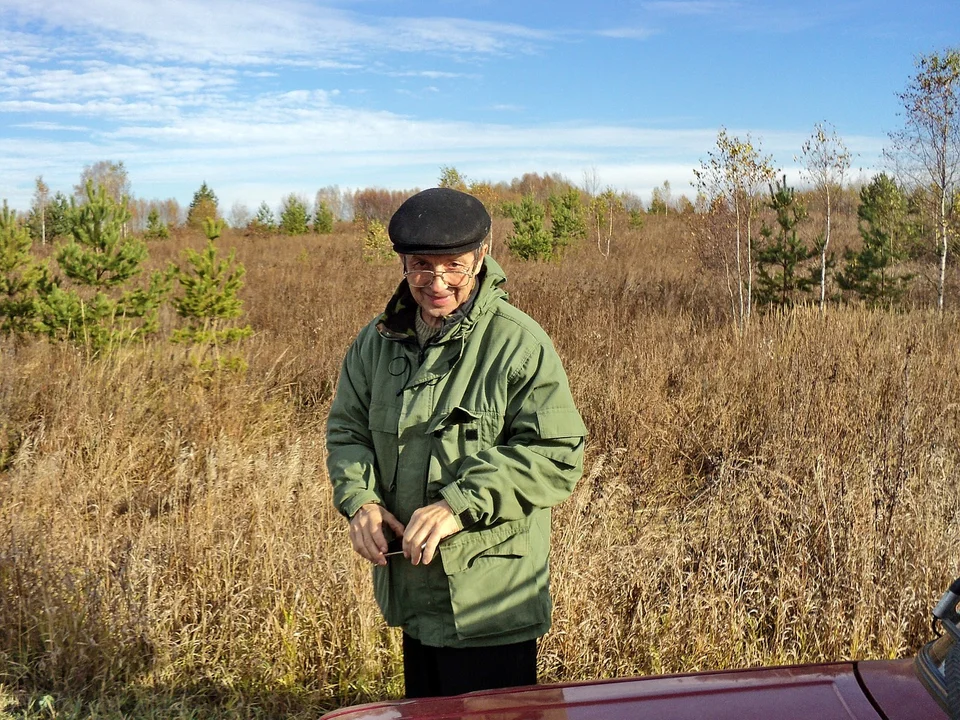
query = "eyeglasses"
{"x": 450, "y": 278}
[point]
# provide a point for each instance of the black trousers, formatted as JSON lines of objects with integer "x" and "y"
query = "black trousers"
{"x": 432, "y": 671}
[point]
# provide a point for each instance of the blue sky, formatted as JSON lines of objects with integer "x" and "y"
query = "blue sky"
{"x": 263, "y": 99}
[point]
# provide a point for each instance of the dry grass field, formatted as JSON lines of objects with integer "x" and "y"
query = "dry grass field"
{"x": 168, "y": 547}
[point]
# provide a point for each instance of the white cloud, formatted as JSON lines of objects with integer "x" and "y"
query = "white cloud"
{"x": 429, "y": 74}
{"x": 627, "y": 33}
{"x": 52, "y": 126}
{"x": 691, "y": 7}
{"x": 247, "y": 32}
{"x": 21, "y": 47}
{"x": 97, "y": 79}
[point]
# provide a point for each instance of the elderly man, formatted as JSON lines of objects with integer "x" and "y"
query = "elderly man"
{"x": 452, "y": 433}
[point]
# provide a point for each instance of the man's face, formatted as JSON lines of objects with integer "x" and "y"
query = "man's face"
{"x": 438, "y": 300}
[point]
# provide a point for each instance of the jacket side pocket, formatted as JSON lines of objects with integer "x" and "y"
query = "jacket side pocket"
{"x": 494, "y": 584}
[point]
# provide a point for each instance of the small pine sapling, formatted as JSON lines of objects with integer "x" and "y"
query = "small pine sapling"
{"x": 567, "y": 223}
{"x": 264, "y": 221}
{"x": 101, "y": 308}
{"x": 874, "y": 273}
{"x": 156, "y": 228}
{"x": 530, "y": 239}
{"x": 376, "y": 243}
{"x": 213, "y": 227}
{"x": 323, "y": 220}
{"x": 783, "y": 275}
{"x": 208, "y": 302}
{"x": 294, "y": 216}
{"x": 19, "y": 276}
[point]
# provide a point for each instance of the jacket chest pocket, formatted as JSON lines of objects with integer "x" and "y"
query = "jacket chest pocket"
{"x": 455, "y": 436}
{"x": 383, "y": 422}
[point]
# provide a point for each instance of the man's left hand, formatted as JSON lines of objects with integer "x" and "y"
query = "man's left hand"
{"x": 427, "y": 527}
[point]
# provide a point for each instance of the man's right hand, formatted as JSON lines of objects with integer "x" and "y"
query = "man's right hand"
{"x": 366, "y": 531}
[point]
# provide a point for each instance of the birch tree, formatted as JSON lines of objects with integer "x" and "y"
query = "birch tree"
{"x": 452, "y": 178}
{"x": 927, "y": 147}
{"x": 333, "y": 198}
{"x": 41, "y": 199}
{"x": 111, "y": 176}
{"x": 733, "y": 177}
{"x": 826, "y": 161}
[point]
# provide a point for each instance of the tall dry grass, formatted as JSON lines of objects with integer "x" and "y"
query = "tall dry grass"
{"x": 168, "y": 544}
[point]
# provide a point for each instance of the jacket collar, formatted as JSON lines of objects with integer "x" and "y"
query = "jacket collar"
{"x": 397, "y": 320}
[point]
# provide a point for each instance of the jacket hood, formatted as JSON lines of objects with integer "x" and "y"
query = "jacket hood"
{"x": 397, "y": 320}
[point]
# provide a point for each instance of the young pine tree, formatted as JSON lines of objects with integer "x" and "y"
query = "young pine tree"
{"x": 101, "y": 308}
{"x": 19, "y": 276}
{"x": 204, "y": 205}
{"x": 872, "y": 273}
{"x": 293, "y": 216}
{"x": 567, "y": 222}
{"x": 783, "y": 277}
{"x": 213, "y": 227}
{"x": 208, "y": 302}
{"x": 156, "y": 228}
{"x": 530, "y": 239}
{"x": 376, "y": 243}
{"x": 323, "y": 220}
{"x": 59, "y": 217}
{"x": 264, "y": 221}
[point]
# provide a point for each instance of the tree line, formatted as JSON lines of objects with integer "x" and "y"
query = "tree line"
{"x": 907, "y": 214}
{"x": 745, "y": 220}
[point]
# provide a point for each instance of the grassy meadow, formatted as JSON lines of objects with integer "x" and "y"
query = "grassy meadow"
{"x": 168, "y": 546}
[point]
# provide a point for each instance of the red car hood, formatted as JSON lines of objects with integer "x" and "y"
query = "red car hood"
{"x": 809, "y": 692}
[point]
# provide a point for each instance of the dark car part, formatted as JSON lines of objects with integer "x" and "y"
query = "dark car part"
{"x": 938, "y": 663}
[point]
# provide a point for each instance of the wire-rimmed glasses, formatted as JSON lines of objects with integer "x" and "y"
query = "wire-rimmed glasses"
{"x": 450, "y": 278}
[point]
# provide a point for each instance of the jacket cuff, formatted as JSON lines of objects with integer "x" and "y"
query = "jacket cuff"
{"x": 459, "y": 503}
{"x": 349, "y": 507}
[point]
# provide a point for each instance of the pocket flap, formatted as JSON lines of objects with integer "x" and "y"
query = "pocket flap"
{"x": 560, "y": 423}
{"x": 503, "y": 541}
{"x": 384, "y": 418}
{"x": 457, "y": 416}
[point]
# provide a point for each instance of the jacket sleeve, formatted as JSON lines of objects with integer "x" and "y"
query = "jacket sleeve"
{"x": 541, "y": 457}
{"x": 350, "y": 458}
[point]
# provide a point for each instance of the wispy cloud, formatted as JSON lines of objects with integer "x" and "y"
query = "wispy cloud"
{"x": 429, "y": 74}
{"x": 758, "y": 16}
{"x": 627, "y": 33}
{"x": 422, "y": 92}
{"x": 52, "y": 126}
{"x": 246, "y": 32}
{"x": 690, "y": 7}
{"x": 97, "y": 79}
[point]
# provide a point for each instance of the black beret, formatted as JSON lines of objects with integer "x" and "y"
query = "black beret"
{"x": 439, "y": 221}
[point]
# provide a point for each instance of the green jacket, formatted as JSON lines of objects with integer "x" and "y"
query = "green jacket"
{"x": 481, "y": 417}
